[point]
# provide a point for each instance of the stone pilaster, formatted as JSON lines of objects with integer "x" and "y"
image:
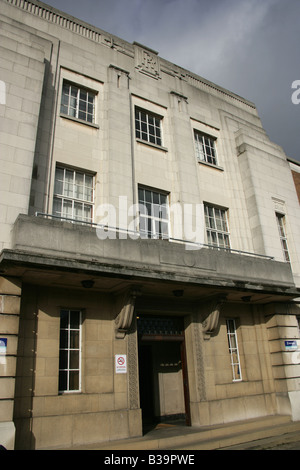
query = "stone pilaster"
{"x": 284, "y": 340}
{"x": 10, "y": 298}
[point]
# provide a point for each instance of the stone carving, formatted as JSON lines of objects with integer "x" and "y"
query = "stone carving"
{"x": 147, "y": 61}
{"x": 124, "y": 317}
{"x": 211, "y": 311}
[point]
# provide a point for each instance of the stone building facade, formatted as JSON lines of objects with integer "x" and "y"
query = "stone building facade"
{"x": 149, "y": 242}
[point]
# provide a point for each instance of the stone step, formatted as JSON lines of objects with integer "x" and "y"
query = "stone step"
{"x": 203, "y": 438}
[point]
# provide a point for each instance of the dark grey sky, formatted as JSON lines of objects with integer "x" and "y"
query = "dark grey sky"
{"x": 250, "y": 47}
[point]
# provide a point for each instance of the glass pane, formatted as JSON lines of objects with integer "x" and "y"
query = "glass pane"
{"x": 56, "y": 206}
{"x": 74, "y": 339}
{"x": 83, "y": 95}
{"x": 67, "y": 209}
{"x": 64, "y": 318}
{"x": 75, "y": 320}
{"x": 63, "y": 359}
{"x": 63, "y": 339}
{"x": 74, "y": 360}
{"x": 63, "y": 382}
{"x": 74, "y": 380}
{"x": 74, "y": 91}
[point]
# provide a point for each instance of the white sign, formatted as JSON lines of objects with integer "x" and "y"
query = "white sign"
{"x": 121, "y": 363}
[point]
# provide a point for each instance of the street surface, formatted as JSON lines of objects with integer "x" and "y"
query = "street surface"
{"x": 286, "y": 442}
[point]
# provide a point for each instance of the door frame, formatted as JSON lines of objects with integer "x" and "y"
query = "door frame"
{"x": 179, "y": 339}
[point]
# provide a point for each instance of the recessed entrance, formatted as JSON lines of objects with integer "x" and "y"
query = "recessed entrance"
{"x": 163, "y": 379}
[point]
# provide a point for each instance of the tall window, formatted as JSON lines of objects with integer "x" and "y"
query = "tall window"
{"x": 154, "y": 214}
{"x": 73, "y": 195}
{"x": 281, "y": 228}
{"x": 148, "y": 126}
{"x": 216, "y": 226}
{"x": 233, "y": 350}
{"x": 78, "y": 102}
{"x": 70, "y": 351}
{"x": 205, "y": 148}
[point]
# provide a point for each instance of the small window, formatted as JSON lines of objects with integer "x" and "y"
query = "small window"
{"x": 70, "y": 351}
{"x": 233, "y": 350}
{"x": 148, "y": 127}
{"x": 73, "y": 195}
{"x": 205, "y": 148}
{"x": 78, "y": 102}
{"x": 216, "y": 226}
{"x": 154, "y": 214}
{"x": 281, "y": 229}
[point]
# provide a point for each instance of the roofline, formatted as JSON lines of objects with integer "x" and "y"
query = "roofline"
{"x": 44, "y": 11}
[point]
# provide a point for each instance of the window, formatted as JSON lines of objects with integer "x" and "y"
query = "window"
{"x": 69, "y": 351}
{"x": 281, "y": 228}
{"x": 233, "y": 350}
{"x": 205, "y": 148}
{"x": 216, "y": 227}
{"x": 154, "y": 214}
{"x": 78, "y": 102}
{"x": 73, "y": 195}
{"x": 148, "y": 127}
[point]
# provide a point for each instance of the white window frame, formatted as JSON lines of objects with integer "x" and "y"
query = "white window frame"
{"x": 70, "y": 203}
{"x": 281, "y": 223}
{"x": 153, "y": 213}
{"x": 205, "y": 146}
{"x": 148, "y": 127}
{"x": 234, "y": 350}
{"x": 74, "y": 105}
{"x": 68, "y": 370}
{"x": 217, "y": 228}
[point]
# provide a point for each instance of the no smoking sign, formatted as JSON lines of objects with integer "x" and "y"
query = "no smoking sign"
{"x": 121, "y": 363}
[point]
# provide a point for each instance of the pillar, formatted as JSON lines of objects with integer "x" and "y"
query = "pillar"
{"x": 10, "y": 298}
{"x": 284, "y": 340}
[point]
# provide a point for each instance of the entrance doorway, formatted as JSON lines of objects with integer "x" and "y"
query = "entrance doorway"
{"x": 164, "y": 394}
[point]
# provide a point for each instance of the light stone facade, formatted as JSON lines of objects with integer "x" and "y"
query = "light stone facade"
{"x": 44, "y": 260}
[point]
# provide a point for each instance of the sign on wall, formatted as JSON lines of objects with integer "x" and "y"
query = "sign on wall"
{"x": 291, "y": 345}
{"x": 121, "y": 363}
{"x": 3, "y": 346}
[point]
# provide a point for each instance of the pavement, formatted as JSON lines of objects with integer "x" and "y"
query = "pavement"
{"x": 267, "y": 433}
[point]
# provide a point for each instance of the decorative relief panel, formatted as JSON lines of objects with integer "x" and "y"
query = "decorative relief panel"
{"x": 147, "y": 61}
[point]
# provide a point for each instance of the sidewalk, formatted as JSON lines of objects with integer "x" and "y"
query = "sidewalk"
{"x": 227, "y": 436}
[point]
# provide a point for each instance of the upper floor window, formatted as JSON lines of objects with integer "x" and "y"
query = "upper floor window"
{"x": 73, "y": 195}
{"x": 217, "y": 230}
{"x": 154, "y": 214}
{"x": 148, "y": 126}
{"x": 281, "y": 228}
{"x": 205, "y": 148}
{"x": 78, "y": 102}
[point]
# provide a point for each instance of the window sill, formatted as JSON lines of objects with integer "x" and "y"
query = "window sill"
{"x": 79, "y": 121}
{"x": 216, "y": 167}
{"x": 150, "y": 144}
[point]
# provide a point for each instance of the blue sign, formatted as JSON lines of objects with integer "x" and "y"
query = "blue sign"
{"x": 291, "y": 345}
{"x": 3, "y": 346}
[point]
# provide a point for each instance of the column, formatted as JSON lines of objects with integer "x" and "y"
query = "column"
{"x": 284, "y": 340}
{"x": 10, "y": 298}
